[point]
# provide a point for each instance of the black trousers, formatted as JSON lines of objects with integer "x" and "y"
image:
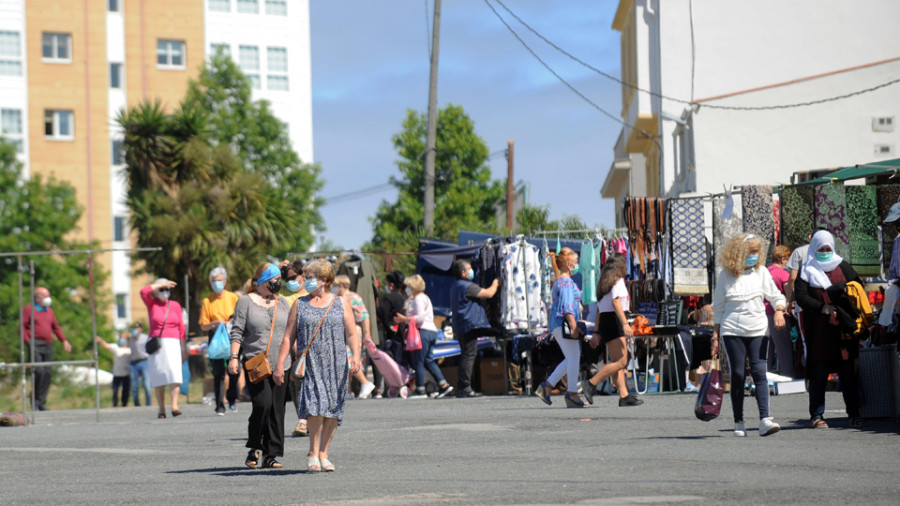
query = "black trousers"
{"x": 265, "y": 427}
{"x": 468, "y": 348}
{"x": 219, "y": 370}
{"x": 124, "y": 383}
{"x": 43, "y": 352}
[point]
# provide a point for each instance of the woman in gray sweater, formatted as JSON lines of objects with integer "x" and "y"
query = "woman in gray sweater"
{"x": 260, "y": 318}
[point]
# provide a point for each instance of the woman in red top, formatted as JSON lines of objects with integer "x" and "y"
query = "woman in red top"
{"x": 781, "y": 338}
{"x": 166, "y": 323}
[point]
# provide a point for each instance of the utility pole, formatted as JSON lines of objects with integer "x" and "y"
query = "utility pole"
{"x": 510, "y": 208}
{"x": 430, "y": 139}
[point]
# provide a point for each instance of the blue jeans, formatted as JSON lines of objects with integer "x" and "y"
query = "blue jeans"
{"x": 139, "y": 369}
{"x": 424, "y": 359}
{"x": 817, "y": 372}
{"x": 739, "y": 348}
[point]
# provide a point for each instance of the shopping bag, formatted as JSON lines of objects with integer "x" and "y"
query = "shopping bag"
{"x": 709, "y": 399}
{"x": 413, "y": 338}
{"x": 220, "y": 344}
{"x": 185, "y": 378}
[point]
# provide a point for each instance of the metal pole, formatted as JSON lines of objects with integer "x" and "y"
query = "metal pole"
{"x": 32, "y": 337}
{"x": 94, "y": 332}
{"x": 431, "y": 135}
{"x": 22, "y": 336}
{"x": 510, "y": 208}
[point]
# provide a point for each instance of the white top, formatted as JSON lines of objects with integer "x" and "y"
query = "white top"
{"x": 121, "y": 359}
{"x": 619, "y": 291}
{"x": 738, "y": 302}
{"x": 419, "y": 309}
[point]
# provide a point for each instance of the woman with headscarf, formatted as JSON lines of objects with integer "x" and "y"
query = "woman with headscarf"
{"x": 166, "y": 324}
{"x": 822, "y": 278}
{"x": 260, "y": 318}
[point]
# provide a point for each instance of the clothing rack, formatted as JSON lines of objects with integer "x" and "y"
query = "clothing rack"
{"x": 581, "y": 231}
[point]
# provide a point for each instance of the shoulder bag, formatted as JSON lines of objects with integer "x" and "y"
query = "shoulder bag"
{"x": 258, "y": 367}
{"x": 709, "y": 399}
{"x": 299, "y": 371}
{"x": 153, "y": 344}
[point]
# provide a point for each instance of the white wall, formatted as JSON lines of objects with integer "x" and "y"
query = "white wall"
{"x": 14, "y": 89}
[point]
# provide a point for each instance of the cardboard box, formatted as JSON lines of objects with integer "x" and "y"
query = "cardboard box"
{"x": 451, "y": 374}
{"x": 493, "y": 377}
{"x": 790, "y": 387}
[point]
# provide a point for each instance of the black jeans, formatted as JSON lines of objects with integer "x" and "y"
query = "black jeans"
{"x": 43, "y": 352}
{"x": 817, "y": 372}
{"x": 265, "y": 427}
{"x": 468, "y": 348}
{"x": 123, "y": 382}
{"x": 219, "y": 370}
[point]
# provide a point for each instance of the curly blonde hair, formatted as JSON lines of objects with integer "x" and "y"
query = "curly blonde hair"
{"x": 735, "y": 253}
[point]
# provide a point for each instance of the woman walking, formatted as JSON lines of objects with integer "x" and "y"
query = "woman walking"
{"x": 167, "y": 325}
{"x": 614, "y": 331}
{"x": 739, "y": 316}
{"x": 260, "y": 318}
{"x": 781, "y": 338}
{"x": 322, "y": 323}
{"x": 566, "y": 310}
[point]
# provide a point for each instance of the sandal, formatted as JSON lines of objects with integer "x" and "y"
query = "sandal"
{"x": 327, "y": 465}
{"x": 313, "y": 465}
{"x": 176, "y": 412}
{"x": 252, "y": 459}
{"x": 269, "y": 462}
{"x": 819, "y": 423}
{"x": 300, "y": 430}
{"x": 161, "y": 415}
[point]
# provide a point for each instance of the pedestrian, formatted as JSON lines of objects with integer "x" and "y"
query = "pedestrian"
{"x": 217, "y": 309}
{"x": 469, "y": 321}
{"x": 260, "y": 318}
{"x": 322, "y": 324}
{"x": 565, "y": 310}
{"x": 822, "y": 278}
{"x": 613, "y": 331}
{"x": 739, "y": 317}
{"x": 390, "y": 304}
{"x": 121, "y": 367}
{"x": 362, "y": 320}
{"x": 140, "y": 366}
{"x": 38, "y": 317}
{"x": 420, "y": 312}
{"x": 780, "y": 337}
{"x": 166, "y": 324}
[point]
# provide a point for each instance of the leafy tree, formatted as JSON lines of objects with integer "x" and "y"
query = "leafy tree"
{"x": 464, "y": 192}
{"x": 40, "y": 215}
{"x": 533, "y": 219}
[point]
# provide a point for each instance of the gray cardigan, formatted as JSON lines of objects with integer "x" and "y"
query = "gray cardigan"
{"x": 251, "y": 328}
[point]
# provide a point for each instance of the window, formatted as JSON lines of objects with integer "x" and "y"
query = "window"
{"x": 119, "y": 228}
{"x": 248, "y": 58}
{"x": 10, "y": 54}
{"x": 118, "y": 154}
{"x": 248, "y": 6}
{"x": 277, "y": 83}
{"x": 884, "y": 149}
{"x": 278, "y": 59}
{"x": 220, "y": 5}
{"x": 225, "y": 48}
{"x": 11, "y": 127}
{"x": 121, "y": 309}
{"x": 170, "y": 53}
{"x": 115, "y": 75}
{"x": 255, "y": 83}
{"x": 276, "y": 7}
{"x": 883, "y": 124}
{"x": 57, "y": 47}
{"x": 113, "y": 6}
{"x": 59, "y": 124}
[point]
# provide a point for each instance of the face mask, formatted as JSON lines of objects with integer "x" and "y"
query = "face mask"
{"x": 824, "y": 256}
{"x": 274, "y": 286}
{"x": 163, "y": 294}
{"x": 47, "y": 301}
{"x": 134, "y": 332}
{"x": 751, "y": 260}
{"x": 121, "y": 342}
{"x": 575, "y": 270}
{"x": 293, "y": 286}
{"x": 311, "y": 285}
{"x": 408, "y": 291}
{"x": 470, "y": 274}
{"x": 218, "y": 286}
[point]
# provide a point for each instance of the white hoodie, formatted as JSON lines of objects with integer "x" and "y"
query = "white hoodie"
{"x": 738, "y": 302}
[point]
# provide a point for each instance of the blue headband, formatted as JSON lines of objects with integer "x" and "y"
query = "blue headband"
{"x": 270, "y": 272}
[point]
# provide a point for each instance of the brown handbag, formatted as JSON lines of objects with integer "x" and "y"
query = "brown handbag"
{"x": 258, "y": 367}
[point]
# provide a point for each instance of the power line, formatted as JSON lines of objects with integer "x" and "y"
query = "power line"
{"x": 673, "y": 99}
{"x": 357, "y": 194}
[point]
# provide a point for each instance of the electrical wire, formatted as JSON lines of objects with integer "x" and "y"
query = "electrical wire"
{"x": 357, "y": 193}
{"x": 673, "y": 99}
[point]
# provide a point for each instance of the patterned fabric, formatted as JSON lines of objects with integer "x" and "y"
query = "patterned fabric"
{"x": 546, "y": 275}
{"x": 566, "y": 300}
{"x": 724, "y": 230}
{"x": 888, "y": 195}
{"x": 831, "y": 205}
{"x": 777, "y": 215}
{"x": 688, "y": 247}
{"x": 324, "y": 388}
{"x": 520, "y": 295}
{"x": 360, "y": 314}
{"x": 862, "y": 223}
{"x": 798, "y": 215}
{"x": 758, "y": 216}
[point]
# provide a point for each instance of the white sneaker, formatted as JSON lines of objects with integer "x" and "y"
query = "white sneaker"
{"x": 366, "y": 390}
{"x": 739, "y": 429}
{"x": 767, "y": 427}
{"x": 691, "y": 388}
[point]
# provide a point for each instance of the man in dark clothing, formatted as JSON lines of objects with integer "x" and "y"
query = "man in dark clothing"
{"x": 45, "y": 327}
{"x": 469, "y": 321}
{"x": 388, "y": 307}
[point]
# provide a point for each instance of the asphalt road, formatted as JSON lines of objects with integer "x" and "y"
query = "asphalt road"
{"x": 489, "y": 450}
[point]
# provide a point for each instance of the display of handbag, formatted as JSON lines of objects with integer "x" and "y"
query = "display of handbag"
{"x": 153, "y": 343}
{"x": 709, "y": 399}
{"x": 413, "y": 337}
{"x": 220, "y": 344}
{"x": 258, "y": 367}
{"x": 299, "y": 370}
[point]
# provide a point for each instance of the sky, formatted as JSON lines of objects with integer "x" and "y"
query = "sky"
{"x": 370, "y": 64}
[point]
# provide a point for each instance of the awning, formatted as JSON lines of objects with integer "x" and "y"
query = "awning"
{"x": 859, "y": 171}
{"x": 442, "y": 257}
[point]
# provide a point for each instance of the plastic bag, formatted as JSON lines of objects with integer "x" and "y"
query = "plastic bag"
{"x": 220, "y": 344}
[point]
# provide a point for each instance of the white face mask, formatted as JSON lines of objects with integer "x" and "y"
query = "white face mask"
{"x": 46, "y": 301}
{"x": 409, "y": 292}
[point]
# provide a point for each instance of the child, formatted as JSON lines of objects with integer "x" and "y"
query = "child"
{"x": 121, "y": 367}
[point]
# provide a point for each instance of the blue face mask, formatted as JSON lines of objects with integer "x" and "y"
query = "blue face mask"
{"x": 134, "y": 332}
{"x": 218, "y": 286}
{"x": 470, "y": 274}
{"x": 311, "y": 285}
{"x": 751, "y": 260}
{"x": 824, "y": 256}
{"x": 575, "y": 270}
{"x": 293, "y": 286}
{"x": 121, "y": 342}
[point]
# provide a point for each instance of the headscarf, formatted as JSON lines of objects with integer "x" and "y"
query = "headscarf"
{"x": 814, "y": 271}
{"x": 271, "y": 271}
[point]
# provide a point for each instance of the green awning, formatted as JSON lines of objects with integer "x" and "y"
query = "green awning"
{"x": 858, "y": 171}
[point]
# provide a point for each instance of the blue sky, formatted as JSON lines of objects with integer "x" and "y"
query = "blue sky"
{"x": 370, "y": 63}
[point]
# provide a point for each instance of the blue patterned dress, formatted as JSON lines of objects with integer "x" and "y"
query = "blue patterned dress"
{"x": 325, "y": 384}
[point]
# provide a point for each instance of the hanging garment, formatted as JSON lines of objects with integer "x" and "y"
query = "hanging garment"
{"x": 888, "y": 195}
{"x": 362, "y": 281}
{"x": 862, "y": 223}
{"x": 831, "y": 205}
{"x": 798, "y": 215}
{"x": 758, "y": 217}
{"x": 723, "y": 228}
{"x": 589, "y": 271}
{"x": 688, "y": 247}
{"x": 520, "y": 300}
{"x": 547, "y": 276}
{"x": 776, "y": 214}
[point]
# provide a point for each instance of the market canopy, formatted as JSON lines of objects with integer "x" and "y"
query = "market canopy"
{"x": 859, "y": 171}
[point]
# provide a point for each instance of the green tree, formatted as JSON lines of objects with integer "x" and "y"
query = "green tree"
{"x": 464, "y": 191}
{"x": 41, "y": 215}
{"x": 533, "y": 219}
